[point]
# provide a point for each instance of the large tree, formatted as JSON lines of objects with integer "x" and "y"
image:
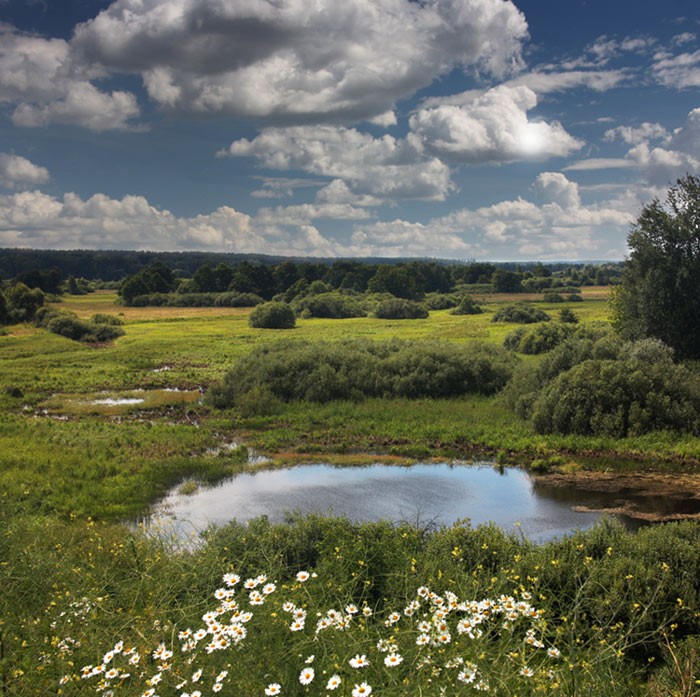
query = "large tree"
{"x": 658, "y": 296}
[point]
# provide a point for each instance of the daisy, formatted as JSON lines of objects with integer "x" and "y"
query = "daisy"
{"x": 422, "y": 640}
{"x": 393, "y": 659}
{"x": 306, "y": 676}
{"x": 351, "y": 609}
{"x": 303, "y": 576}
{"x": 359, "y": 661}
{"x": 273, "y": 689}
{"x": 197, "y": 675}
{"x": 362, "y": 690}
{"x": 269, "y": 588}
{"x": 527, "y": 672}
{"x": 553, "y": 652}
{"x": 333, "y": 682}
{"x": 231, "y": 579}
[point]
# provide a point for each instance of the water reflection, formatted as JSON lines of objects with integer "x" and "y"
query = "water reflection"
{"x": 441, "y": 493}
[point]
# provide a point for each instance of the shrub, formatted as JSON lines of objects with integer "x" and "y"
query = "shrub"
{"x": 68, "y": 325}
{"x": 521, "y": 313}
{"x": 553, "y": 298}
{"x": 329, "y": 305}
{"x": 101, "y": 318}
{"x": 399, "y": 308}
{"x": 539, "y": 339}
{"x": 324, "y": 371}
{"x": 620, "y": 398}
{"x": 567, "y": 316}
{"x": 272, "y": 315}
{"x": 440, "y": 301}
{"x": 574, "y": 298}
{"x": 467, "y": 306}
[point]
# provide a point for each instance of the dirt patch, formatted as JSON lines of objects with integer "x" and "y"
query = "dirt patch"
{"x": 645, "y": 496}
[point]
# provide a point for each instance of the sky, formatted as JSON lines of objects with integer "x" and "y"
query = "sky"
{"x": 459, "y": 129}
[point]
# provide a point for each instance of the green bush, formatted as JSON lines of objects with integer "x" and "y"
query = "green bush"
{"x": 272, "y": 315}
{"x": 70, "y": 326}
{"x": 620, "y": 398}
{"x": 521, "y": 313}
{"x": 467, "y": 306}
{"x": 574, "y": 298}
{"x": 101, "y": 318}
{"x": 329, "y": 305}
{"x": 325, "y": 371}
{"x": 553, "y": 298}
{"x": 539, "y": 339}
{"x": 567, "y": 316}
{"x": 440, "y": 301}
{"x": 400, "y": 308}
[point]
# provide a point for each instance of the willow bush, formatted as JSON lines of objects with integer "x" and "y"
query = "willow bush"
{"x": 323, "y": 371}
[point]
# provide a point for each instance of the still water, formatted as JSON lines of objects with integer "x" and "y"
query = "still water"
{"x": 440, "y": 493}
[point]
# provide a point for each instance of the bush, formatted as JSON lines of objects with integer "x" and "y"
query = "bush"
{"x": 521, "y": 313}
{"x": 440, "y": 301}
{"x": 620, "y": 398}
{"x": 324, "y": 371}
{"x": 399, "y": 308}
{"x": 574, "y": 298}
{"x": 553, "y": 298}
{"x": 70, "y": 326}
{"x": 101, "y": 318}
{"x": 467, "y": 306}
{"x": 329, "y": 305}
{"x": 567, "y": 316}
{"x": 539, "y": 339}
{"x": 272, "y": 315}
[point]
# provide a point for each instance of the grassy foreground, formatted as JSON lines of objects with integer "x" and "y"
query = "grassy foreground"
{"x": 597, "y": 612}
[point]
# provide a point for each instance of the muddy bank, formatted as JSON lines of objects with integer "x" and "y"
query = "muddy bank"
{"x": 645, "y": 496}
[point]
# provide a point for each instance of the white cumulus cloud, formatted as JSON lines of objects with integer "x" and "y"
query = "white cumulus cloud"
{"x": 18, "y": 172}
{"x": 297, "y": 60}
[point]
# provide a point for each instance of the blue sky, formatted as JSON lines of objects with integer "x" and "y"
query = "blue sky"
{"x": 467, "y": 129}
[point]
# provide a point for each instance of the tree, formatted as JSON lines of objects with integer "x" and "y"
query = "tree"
{"x": 661, "y": 280}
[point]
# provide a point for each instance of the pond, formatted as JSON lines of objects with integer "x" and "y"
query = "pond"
{"x": 422, "y": 493}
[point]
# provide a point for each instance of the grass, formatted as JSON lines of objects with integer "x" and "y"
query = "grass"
{"x": 623, "y": 610}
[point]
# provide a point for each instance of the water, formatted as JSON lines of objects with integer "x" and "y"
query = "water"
{"x": 439, "y": 493}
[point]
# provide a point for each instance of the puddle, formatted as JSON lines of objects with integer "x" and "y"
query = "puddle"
{"x": 115, "y": 403}
{"x": 439, "y": 493}
{"x": 109, "y": 401}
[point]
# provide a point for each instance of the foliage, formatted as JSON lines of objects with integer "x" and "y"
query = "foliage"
{"x": 467, "y": 306}
{"x": 505, "y": 281}
{"x": 440, "y": 301}
{"x": 102, "y": 318}
{"x": 230, "y": 299}
{"x": 272, "y": 315}
{"x": 522, "y": 313}
{"x": 332, "y": 305}
{"x": 539, "y": 339}
{"x": 21, "y": 304}
{"x": 68, "y": 324}
{"x": 399, "y": 308}
{"x": 567, "y": 316}
{"x": 553, "y": 298}
{"x": 661, "y": 281}
{"x": 397, "y": 280}
{"x": 355, "y": 369}
{"x": 620, "y": 398}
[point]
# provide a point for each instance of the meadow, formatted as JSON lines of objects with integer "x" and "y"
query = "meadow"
{"x": 91, "y": 435}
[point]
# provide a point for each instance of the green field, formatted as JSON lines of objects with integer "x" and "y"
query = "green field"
{"x": 90, "y": 436}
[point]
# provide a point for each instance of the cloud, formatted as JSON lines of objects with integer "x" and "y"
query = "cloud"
{"x": 494, "y": 128}
{"x": 637, "y": 135}
{"x": 334, "y": 60}
{"x": 36, "y": 219}
{"x": 281, "y": 187}
{"x": 595, "y": 163}
{"x": 41, "y": 77}
{"x": 678, "y": 71}
{"x": 387, "y": 168}
{"x": 557, "y": 226}
{"x": 18, "y": 172}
